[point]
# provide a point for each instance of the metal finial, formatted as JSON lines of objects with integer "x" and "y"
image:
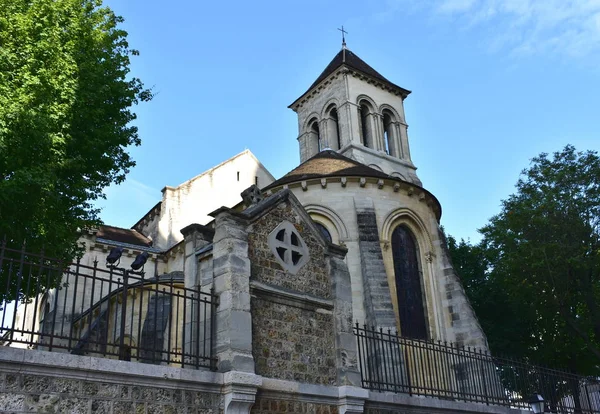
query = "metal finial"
{"x": 344, "y": 33}
{"x": 343, "y": 43}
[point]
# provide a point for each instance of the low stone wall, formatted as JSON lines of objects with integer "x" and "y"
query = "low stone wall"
{"x": 44, "y": 382}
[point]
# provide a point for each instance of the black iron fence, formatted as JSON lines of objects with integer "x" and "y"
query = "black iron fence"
{"x": 91, "y": 309}
{"x": 392, "y": 363}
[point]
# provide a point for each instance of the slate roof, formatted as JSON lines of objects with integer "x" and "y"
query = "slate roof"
{"x": 327, "y": 163}
{"x": 121, "y": 235}
{"x": 350, "y": 59}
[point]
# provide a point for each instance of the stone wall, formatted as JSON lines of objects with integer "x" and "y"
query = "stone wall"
{"x": 293, "y": 344}
{"x": 24, "y": 393}
{"x": 291, "y": 341}
{"x": 312, "y": 278}
{"x": 33, "y": 381}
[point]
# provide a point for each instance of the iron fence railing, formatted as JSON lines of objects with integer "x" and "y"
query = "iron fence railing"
{"x": 85, "y": 309}
{"x": 389, "y": 362}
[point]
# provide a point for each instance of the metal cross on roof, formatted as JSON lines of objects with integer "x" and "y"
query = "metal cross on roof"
{"x": 344, "y": 33}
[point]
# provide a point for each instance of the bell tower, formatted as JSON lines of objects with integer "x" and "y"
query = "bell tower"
{"x": 352, "y": 109}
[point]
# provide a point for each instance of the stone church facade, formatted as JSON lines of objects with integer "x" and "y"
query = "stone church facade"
{"x": 348, "y": 236}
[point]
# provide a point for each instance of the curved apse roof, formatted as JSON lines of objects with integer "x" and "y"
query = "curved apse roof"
{"x": 328, "y": 163}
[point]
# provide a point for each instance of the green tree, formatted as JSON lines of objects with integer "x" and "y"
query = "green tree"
{"x": 538, "y": 265}
{"x": 65, "y": 117}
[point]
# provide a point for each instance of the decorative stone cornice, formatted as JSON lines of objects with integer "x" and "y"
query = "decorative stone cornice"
{"x": 395, "y": 184}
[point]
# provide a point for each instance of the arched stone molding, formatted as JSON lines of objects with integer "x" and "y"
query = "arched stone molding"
{"x": 390, "y": 132}
{"x": 309, "y": 120}
{"x": 399, "y": 175}
{"x": 376, "y": 167}
{"x": 370, "y": 100}
{"x": 386, "y": 107}
{"x": 369, "y": 121}
{"x": 409, "y": 219}
{"x": 332, "y": 102}
{"x": 330, "y": 219}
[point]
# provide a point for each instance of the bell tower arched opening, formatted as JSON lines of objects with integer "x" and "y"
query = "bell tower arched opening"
{"x": 315, "y": 136}
{"x": 366, "y": 124}
{"x": 334, "y": 137}
{"x": 389, "y": 134}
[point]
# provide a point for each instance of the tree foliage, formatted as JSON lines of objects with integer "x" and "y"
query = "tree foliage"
{"x": 65, "y": 117}
{"x": 534, "y": 279}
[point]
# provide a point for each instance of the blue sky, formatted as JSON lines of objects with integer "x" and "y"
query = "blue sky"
{"x": 494, "y": 84}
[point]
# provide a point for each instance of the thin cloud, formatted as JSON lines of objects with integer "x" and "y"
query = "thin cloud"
{"x": 570, "y": 28}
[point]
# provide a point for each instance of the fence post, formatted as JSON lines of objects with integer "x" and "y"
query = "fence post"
{"x": 123, "y": 314}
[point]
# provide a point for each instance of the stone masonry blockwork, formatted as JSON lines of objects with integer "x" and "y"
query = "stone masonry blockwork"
{"x": 28, "y": 393}
{"x": 312, "y": 278}
{"x": 289, "y": 342}
{"x": 293, "y": 344}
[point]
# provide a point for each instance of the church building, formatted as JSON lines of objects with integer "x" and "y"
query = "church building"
{"x": 328, "y": 290}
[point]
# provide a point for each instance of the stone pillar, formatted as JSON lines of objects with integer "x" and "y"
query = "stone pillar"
{"x": 346, "y": 347}
{"x": 404, "y": 141}
{"x": 304, "y": 147}
{"x": 395, "y": 140}
{"x": 332, "y": 134}
{"x": 312, "y": 141}
{"x": 195, "y": 236}
{"x": 233, "y": 320}
{"x": 232, "y": 285}
{"x": 378, "y": 132}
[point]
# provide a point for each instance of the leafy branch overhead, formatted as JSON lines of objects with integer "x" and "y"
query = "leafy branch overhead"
{"x": 65, "y": 117}
{"x": 539, "y": 261}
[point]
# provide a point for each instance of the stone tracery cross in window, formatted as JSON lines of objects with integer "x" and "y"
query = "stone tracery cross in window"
{"x": 288, "y": 247}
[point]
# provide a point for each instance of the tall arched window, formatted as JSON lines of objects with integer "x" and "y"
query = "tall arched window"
{"x": 334, "y": 130}
{"x": 388, "y": 134}
{"x": 316, "y": 135}
{"x": 365, "y": 124}
{"x": 407, "y": 274}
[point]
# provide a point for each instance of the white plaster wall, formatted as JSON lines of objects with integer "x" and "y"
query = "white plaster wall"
{"x": 192, "y": 201}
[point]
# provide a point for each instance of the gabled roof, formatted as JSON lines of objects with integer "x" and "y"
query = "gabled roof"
{"x": 121, "y": 235}
{"x": 351, "y": 60}
{"x": 327, "y": 163}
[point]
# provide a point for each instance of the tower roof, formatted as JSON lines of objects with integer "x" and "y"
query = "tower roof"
{"x": 350, "y": 59}
{"x": 327, "y": 163}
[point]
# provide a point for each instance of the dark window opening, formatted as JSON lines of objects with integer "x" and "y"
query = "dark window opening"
{"x": 387, "y": 133}
{"x": 364, "y": 126}
{"x": 280, "y": 235}
{"x": 408, "y": 284}
{"x": 315, "y": 128}
{"x": 294, "y": 240}
{"x": 256, "y": 180}
{"x": 238, "y": 176}
{"x": 296, "y": 256}
{"x": 325, "y": 232}
{"x": 281, "y": 252}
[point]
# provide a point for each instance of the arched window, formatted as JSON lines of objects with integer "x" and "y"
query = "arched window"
{"x": 409, "y": 293}
{"x": 388, "y": 133}
{"x": 365, "y": 124}
{"x": 314, "y": 128}
{"x": 324, "y": 232}
{"x": 333, "y": 131}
